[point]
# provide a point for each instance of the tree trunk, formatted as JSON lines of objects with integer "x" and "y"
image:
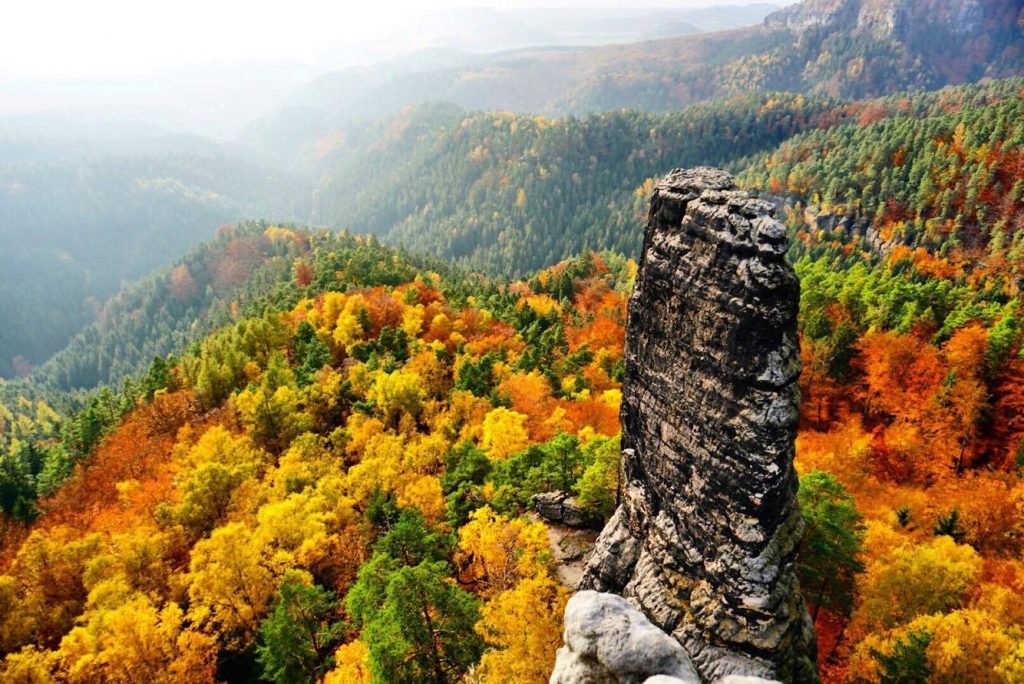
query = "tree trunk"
{"x": 435, "y": 652}
{"x": 817, "y": 604}
{"x": 960, "y": 456}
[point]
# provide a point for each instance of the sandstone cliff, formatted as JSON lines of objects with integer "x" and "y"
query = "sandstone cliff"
{"x": 705, "y": 540}
{"x": 887, "y": 18}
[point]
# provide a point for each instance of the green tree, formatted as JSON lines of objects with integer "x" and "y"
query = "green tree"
{"x": 466, "y": 467}
{"x": 478, "y": 377}
{"x": 424, "y": 630}
{"x": 272, "y": 410}
{"x": 411, "y": 542}
{"x": 949, "y": 525}
{"x": 600, "y": 486}
{"x": 310, "y": 353}
{"x": 298, "y": 637}
{"x": 829, "y": 558}
{"x": 908, "y": 662}
{"x": 17, "y": 488}
{"x": 555, "y": 464}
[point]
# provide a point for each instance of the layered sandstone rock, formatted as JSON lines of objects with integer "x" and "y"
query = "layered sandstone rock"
{"x": 884, "y": 18}
{"x": 705, "y": 539}
{"x": 559, "y": 507}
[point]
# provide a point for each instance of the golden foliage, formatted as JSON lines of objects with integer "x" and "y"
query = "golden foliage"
{"x": 351, "y": 665}
{"x": 504, "y": 433}
{"x": 523, "y": 625}
{"x": 496, "y": 551}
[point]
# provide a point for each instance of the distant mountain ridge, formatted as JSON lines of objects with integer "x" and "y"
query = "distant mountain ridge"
{"x": 103, "y": 211}
{"x": 511, "y": 193}
{"x": 843, "y": 48}
{"x": 885, "y": 17}
{"x": 937, "y": 42}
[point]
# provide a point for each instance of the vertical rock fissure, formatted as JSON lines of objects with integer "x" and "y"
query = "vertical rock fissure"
{"x": 706, "y": 537}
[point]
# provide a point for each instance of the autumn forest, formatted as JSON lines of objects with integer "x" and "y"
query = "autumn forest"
{"x": 307, "y": 451}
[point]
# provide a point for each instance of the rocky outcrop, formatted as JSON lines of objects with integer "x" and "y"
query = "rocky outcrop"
{"x": 609, "y": 640}
{"x": 843, "y": 224}
{"x": 705, "y": 540}
{"x": 814, "y": 14}
{"x": 882, "y": 18}
{"x": 560, "y": 507}
{"x": 852, "y": 227}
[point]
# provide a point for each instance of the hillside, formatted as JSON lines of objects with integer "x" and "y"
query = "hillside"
{"x": 437, "y": 383}
{"x": 841, "y": 48}
{"x": 378, "y": 432}
{"x": 512, "y": 193}
{"x": 130, "y": 201}
{"x": 378, "y": 450}
{"x": 79, "y": 218}
{"x": 163, "y": 313}
{"x": 55, "y": 417}
{"x": 940, "y": 173}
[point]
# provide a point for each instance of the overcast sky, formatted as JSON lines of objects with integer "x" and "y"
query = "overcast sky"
{"x": 99, "y": 38}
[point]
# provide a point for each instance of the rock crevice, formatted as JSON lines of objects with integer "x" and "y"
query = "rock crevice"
{"x": 705, "y": 540}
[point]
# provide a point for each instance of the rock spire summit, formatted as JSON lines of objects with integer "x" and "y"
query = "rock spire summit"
{"x": 705, "y": 540}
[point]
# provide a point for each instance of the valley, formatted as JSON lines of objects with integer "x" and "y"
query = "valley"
{"x": 277, "y": 407}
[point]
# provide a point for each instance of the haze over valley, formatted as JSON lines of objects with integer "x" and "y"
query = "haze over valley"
{"x": 107, "y": 176}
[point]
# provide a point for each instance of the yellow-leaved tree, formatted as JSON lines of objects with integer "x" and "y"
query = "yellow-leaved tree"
{"x": 495, "y": 551}
{"x": 960, "y": 646}
{"x": 397, "y": 394}
{"x": 137, "y": 642}
{"x": 504, "y": 433}
{"x": 915, "y": 580}
{"x": 230, "y": 586}
{"x": 523, "y": 626}
{"x": 212, "y": 471}
{"x": 351, "y": 665}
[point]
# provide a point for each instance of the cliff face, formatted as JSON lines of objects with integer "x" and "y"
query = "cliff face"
{"x": 705, "y": 540}
{"x": 866, "y": 48}
{"x": 885, "y": 18}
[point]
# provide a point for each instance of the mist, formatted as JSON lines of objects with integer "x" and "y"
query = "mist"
{"x": 130, "y": 132}
{"x": 213, "y": 68}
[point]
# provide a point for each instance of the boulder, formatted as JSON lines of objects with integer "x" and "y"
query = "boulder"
{"x": 560, "y": 507}
{"x": 608, "y": 640}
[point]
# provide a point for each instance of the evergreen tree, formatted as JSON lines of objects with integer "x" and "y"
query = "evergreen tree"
{"x": 829, "y": 558}
{"x": 298, "y": 637}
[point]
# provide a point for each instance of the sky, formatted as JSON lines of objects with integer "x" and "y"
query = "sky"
{"x": 80, "y": 39}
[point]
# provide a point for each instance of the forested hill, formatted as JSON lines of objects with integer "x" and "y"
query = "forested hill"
{"x": 512, "y": 193}
{"x": 943, "y": 172}
{"x": 99, "y": 214}
{"x": 337, "y": 485}
{"x": 509, "y": 193}
{"x": 168, "y": 310}
{"x": 844, "y": 48}
{"x": 246, "y": 269}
